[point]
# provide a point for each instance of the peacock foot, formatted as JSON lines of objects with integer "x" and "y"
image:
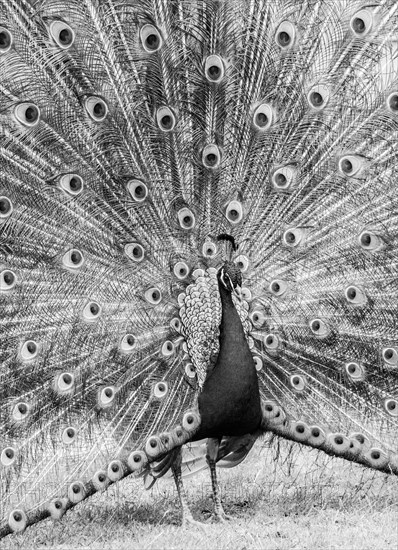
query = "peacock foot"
{"x": 219, "y": 516}
{"x": 187, "y": 521}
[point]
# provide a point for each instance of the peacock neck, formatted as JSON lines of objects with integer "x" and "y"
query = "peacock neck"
{"x": 230, "y": 401}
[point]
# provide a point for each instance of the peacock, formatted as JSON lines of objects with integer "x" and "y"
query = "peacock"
{"x": 198, "y": 240}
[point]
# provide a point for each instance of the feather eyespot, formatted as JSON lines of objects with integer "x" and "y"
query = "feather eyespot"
{"x": 71, "y": 183}
{"x": 392, "y": 102}
{"x": 234, "y": 212}
{"x": 6, "y": 208}
{"x": 272, "y": 342}
{"x": 181, "y": 270}
{"x": 370, "y": 241}
{"x": 28, "y": 114}
{"x": 151, "y": 38}
{"x": 362, "y": 23}
{"x": 21, "y": 411}
{"x": 8, "y": 280}
{"x": 6, "y": 40}
{"x": 391, "y": 407}
{"x": 106, "y": 396}
{"x": 190, "y": 371}
{"x": 390, "y": 356}
{"x": 134, "y": 251}
{"x": 293, "y": 237}
{"x": 115, "y": 470}
{"x": 127, "y": 343}
{"x": 8, "y": 456}
{"x": 258, "y": 363}
{"x": 285, "y": 35}
{"x": 168, "y": 348}
{"x": 211, "y": 156}
{"x": 319, "y": 328}
{"x": 284, "y": 178}
{"x": 191, "y": 421}
{"x": 29, "y": 350}
{"x": 355, "y": 295}
{"x": 355, "y": 371}
{"x": 92, "y": 311}
{"x": 186, "y": 218}
{"x": 209, "y": 249}
{"x": 257, "y": 317}
{"x": 73, "y": 259}
{"x": 76, "y": 492}
{"x": 242, "y": 262}
{"x": 318, "y": 97}
{"x": 165, "y": 119}
{"x": 64, "y": 383}
{"x": 351, "y": 165}
{"x": 96, "y": 108}
{"x": 138, "y": 190}
{"x": 277, "y": 287}
{"x": 62, "y": 34}
{"x": 264, "y": 117}
{"x": 100, "y": 480}
{"x": 69, "y": 435}
{"x": 137, "y": 460}
{"x": 153, "y": 296}
{"x": 298, "y": 383}
{"x": 214, "y": 69}
{"x": 17, "y": 521}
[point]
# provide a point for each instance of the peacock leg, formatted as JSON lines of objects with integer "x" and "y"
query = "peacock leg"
{"x": 211, "y": 457}
{"x": 186, "y": 512}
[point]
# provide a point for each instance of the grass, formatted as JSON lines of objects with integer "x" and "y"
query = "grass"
{"x": 303, "y": 500}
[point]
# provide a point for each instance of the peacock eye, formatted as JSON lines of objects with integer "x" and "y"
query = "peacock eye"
{"x": 27, "y": 114}
{"x": 390, "y": 356}
{"x": 165, "y": 119}
{"x": 5, "y": 40}
{"x": 168, "y": 348}
{"x": 96, "y": 108}
{"x": 392, "y": 102}
{"x": 138, "y": 190}
{"x": 62, "y": 34}
{"x": 298, "y": 383}
{"x": 186, "y": 218}
{"x": 211, "y": 156}
{"x": 151, "y": 38}
{"x": 160, "y": 389}
{"x": 391, "y": 407}
{"x": 106, "y": 396}
{"x": 318, "y": 97}
{"x": 264, "y": 116}
{"x": 293, "y": 237}
{"x": 8, "y": 456}
{"x": 64, "y": 383}
{"x": 285, "y": 35}
{"x": 272, "y": 342}
{"x": 20, "y": 411}
{"x": 190, "y": 371}
{"x": 214, "y": 69}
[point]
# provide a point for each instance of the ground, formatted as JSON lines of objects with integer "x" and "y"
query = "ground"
{"x": 303, "y": 500}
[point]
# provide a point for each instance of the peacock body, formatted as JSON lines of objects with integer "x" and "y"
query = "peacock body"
{"x": 133, "y": 136}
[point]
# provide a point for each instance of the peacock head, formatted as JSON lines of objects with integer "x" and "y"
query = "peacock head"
{"x": 230, "y": 277}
